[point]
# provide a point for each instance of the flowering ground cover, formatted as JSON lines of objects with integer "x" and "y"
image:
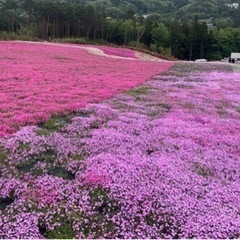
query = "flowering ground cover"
{"x": 159, "y": 161}
{"x": 40, "y": 80}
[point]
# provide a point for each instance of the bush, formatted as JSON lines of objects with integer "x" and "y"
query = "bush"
{"x": 15, "y": 36}
{"x": 153, "y": 48}
{"x": 27, "y": 38}
{"x": 137, "y": 45}
{"x": 80, "y": 41}
{"x": 8, "y": 36}
{"x": 71, "y": 40}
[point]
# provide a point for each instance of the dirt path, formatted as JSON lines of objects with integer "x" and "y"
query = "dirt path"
{"x": 147, "y": 57}
{"x": 236, "y": 67}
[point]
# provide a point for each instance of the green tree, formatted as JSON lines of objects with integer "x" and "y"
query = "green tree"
{"x": 177, "y": 40}
{"x": 10, "y": 8}
{"x": 236, "y": 17}
{"x": 101, "y": 5}
{"x": 160, "y": 36}
{"x": 27, "y": 9}
{"x": 147, "y": 36}
{"x": 115, "y": 12}
{"x": 129, "y": 31}
{"x": 223, "y": 22}
{"x": 115, "y": 32}
{"x": 224, "y": 43}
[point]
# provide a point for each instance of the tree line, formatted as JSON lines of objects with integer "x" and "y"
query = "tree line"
{"x": 58, "y": 19}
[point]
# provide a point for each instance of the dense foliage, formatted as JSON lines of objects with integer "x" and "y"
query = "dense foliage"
{"x": 177, "y": 27}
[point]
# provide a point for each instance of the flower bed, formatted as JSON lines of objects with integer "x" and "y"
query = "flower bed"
{"x": 38, "y": 81}
{"x": 160, "y": 161}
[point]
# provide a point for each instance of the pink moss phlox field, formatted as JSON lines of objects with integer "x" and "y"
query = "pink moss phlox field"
{"x": 39, "y": 80}
{"x": 159, "y": 161}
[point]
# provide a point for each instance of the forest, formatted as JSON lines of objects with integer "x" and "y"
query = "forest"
{"x": 185, "y": 29}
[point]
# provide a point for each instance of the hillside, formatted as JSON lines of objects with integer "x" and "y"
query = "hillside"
{"x": 181, "y": 9}
{"x": 168, "y": 27}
